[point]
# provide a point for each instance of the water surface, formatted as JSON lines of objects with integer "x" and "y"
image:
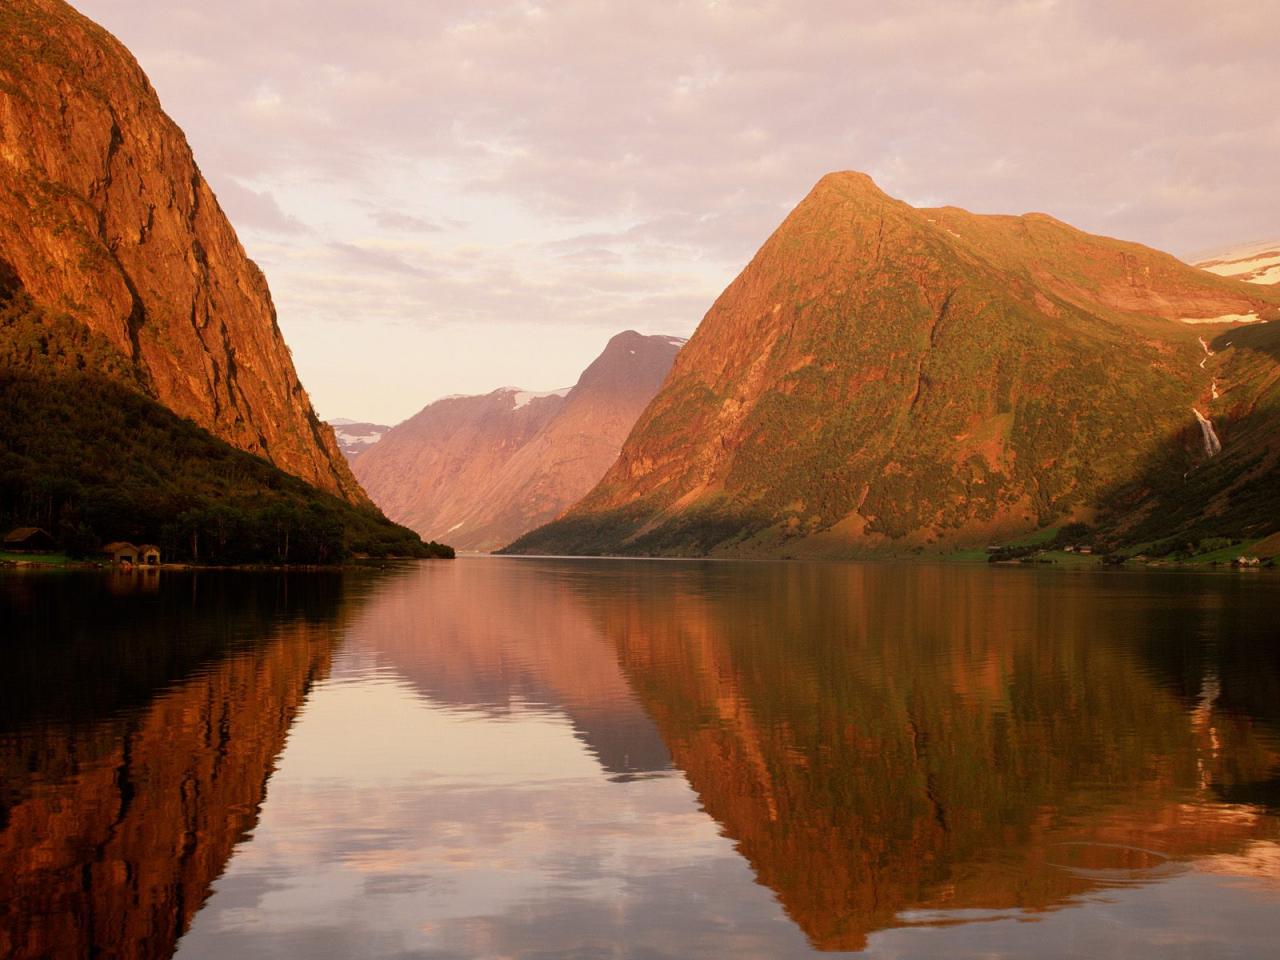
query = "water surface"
{"x": 539, "y": 758}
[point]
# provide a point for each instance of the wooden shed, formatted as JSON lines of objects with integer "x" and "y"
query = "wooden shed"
{"x": 149, "y": 555}
{"x": 28, "y": 540}
{"x": 121, "y": 552}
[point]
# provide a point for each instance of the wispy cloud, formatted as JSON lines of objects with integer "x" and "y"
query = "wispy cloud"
{"x": 545, "y": 147}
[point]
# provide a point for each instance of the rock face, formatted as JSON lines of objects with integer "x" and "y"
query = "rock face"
{"x": 882, "y": 378}
{"x": 1254, "y": 262}
{"x": 480, "y": 471}
{"x": 105, "y": 217}
{"x": 354, "y": 437}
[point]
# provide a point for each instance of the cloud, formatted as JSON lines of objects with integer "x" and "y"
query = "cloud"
{"x": 256, "y": 209}
{"x": 677, "y": 134}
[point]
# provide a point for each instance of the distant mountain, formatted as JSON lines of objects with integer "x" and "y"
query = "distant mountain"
{"x": 479, "y": 471}
{"x": 354, "y": 437}
{"x": 884, "y": 379}
{"x": 1254, "y": 262}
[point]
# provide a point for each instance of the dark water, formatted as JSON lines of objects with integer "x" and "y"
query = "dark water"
{"x": 534, "y": 758}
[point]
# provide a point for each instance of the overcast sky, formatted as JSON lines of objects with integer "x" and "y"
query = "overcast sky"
{"x": 451, "y": 197}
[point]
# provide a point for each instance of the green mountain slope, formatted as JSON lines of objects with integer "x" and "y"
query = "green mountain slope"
{"x": 86, "y": 453}
{"x": 886, "y": 379}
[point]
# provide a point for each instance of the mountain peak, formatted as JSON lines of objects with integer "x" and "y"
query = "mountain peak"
{"x": 482, "y": 470}
{"x": 885, "y": 378}
{"x": 848, "y": 182}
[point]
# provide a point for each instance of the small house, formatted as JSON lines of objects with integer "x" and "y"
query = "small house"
{"x": 120, "y": 552}
{"x": 28, "y": 540}
{"x": 149, "y": 555}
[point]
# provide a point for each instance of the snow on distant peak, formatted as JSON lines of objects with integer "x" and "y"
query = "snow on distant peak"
{"x": 676, "y": 341}
{"x": 1254, "y": 262}
{"x": 341, "y": 422}
{"x": 524, "y": 397}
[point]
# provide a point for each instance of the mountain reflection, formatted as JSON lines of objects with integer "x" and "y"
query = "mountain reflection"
{"x": 490, "y": 635}
{"x": 890, "y": 746}
{"x": 138, "y": 731}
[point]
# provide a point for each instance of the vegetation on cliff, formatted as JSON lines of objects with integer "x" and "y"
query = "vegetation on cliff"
{"x": 106, "y": 218}
{"x": 883, "y": 379}
{"x": 89, "y": 456}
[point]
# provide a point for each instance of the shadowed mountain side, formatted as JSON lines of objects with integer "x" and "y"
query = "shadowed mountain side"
{"x": 977, "y": 767}
{"x": 105, "y": 218}
{"x": 497, "y": 636}
{"x": 93, "y": 461}
{"x": 480, "y": 471}
{"x": 882, "y": 378}
{"x": 118, "y": 820}
{"x": 1180, "y": 497}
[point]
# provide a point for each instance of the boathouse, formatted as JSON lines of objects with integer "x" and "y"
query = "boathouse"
{"x": 28, "y": 540}
{"x": 121, "y": 552}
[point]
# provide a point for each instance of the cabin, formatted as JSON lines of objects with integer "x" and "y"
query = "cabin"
{"x": 149, "y": 555}
{"x": 28, "y": 540}
{"x": 121, "y": 552}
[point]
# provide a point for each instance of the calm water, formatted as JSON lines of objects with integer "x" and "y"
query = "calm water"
{"x": 535, "y": 758}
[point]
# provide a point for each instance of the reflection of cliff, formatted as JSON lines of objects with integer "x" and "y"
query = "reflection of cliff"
{"x": 879, "y": 740}
{"x": 121, "y": 813}
{"x": 495, "y": 634}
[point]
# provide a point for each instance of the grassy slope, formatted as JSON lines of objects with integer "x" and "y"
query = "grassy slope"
{"x": 884, "y": 379}
{"x": 85, "y": 453}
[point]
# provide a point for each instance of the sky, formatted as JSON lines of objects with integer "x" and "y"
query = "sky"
{"x": 453, "y": 197}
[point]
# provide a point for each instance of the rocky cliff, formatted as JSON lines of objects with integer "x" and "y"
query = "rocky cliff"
{"x": 105, "y": 218}
{"x": 481, "y": 471}
{"x": 882, "y": 378}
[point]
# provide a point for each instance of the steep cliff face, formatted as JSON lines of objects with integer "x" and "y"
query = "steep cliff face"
{"x": 481, "y": 471}
{"x": 883, "y": 378}
{"x": 105, "y": 218}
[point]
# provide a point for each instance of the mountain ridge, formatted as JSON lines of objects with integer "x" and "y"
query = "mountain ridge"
{"x": 886, "y": 379}
{"x": 484, "y": 469}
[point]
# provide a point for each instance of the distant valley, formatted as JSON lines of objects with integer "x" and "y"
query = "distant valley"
{"x": 480, "y": 471}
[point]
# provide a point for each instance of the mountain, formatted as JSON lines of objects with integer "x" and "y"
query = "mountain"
{"x": 885, "y": 379}
{"x": 105, "y": 219}
{"x": 354, "y": 437}
{"x": 1254, "y": 262}
{"x": 146, "y": 392}
{"x": 483, "y": 470}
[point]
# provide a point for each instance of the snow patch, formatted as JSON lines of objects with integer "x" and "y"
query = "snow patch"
{"x": 522, "y": 398}
{"x": 358, "y": 439}
{"x": 1225, "y": 318}
{"x": 1253, "y": 263}
{"x": 455, "y": 526}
